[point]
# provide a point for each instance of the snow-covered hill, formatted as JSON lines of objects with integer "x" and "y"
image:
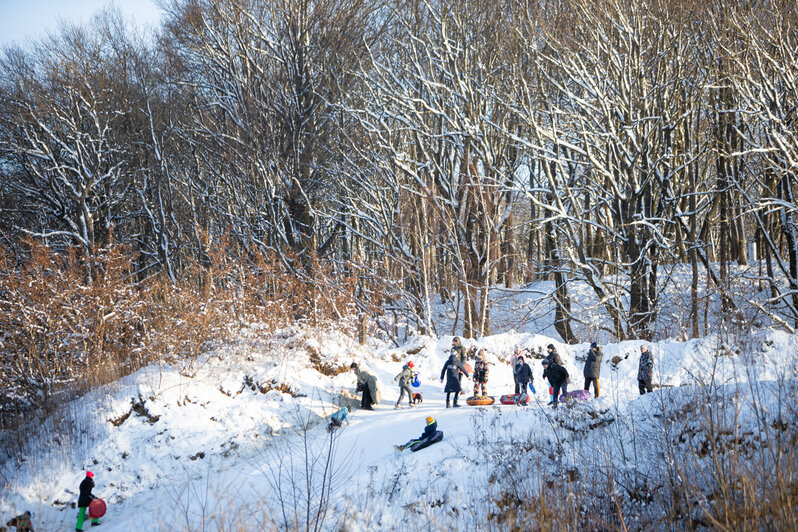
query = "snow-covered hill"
{"x": 237, "y": 440}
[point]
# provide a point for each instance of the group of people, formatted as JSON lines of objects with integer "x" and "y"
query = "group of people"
{"x": 455, "y": 367}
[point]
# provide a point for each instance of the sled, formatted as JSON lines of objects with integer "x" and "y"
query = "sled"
{"x": 482, "y": 400}
{"x": 511, "y": 399}
{"x": 438, "y": 436}
{"x": 416, "y": 383}
{"x": 576, "y": 395}
{"x": 96, "y": 508}
{"x": 468, "y": 368}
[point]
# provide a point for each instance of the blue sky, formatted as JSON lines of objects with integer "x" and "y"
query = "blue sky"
{"x": 21, "y": 20}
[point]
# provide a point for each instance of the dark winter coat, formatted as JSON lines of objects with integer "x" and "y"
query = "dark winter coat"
{"x": 523, "y": 373}
{"x": 646, "y": 367}
{"x": 593, "y": 363}
{"x": 405, "y": 378}
{"x": 460, "y": 352}
{"x": 452, "y": 370}
{"x": 554, "y": 357}
{"x": 86, "y": 495}
{"x": 429, "y": 431}
{"x": 556, "y": 374}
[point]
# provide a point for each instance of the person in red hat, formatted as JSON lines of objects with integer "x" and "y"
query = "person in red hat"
{"x": 405, "y": 378}
{"x": 86, "y": 496}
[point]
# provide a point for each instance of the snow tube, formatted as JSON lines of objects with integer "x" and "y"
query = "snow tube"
{"x": 511, "y": 399}
{"x": 438, "y": 436}
{"x": 96, "y": 508}
{"x": 578, "y": 395}
{"x": 483, "y": 400}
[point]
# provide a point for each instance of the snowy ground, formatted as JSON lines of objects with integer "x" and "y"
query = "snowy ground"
{"x": 237, "y": 441}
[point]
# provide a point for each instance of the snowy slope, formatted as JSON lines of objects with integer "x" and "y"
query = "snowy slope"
{"x": 210, "y": 447}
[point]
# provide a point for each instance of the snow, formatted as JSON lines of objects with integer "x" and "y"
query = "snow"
{"x": 220, "y": 444}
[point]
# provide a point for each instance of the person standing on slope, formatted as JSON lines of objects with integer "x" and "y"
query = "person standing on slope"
{"x": 452, "y": 369}
{"x": 645, "y": 370}
{"x": 593, "y": 368}
{"x": 405, "y": 377}
{"x": 429, "y": 432}
{"x": 480, "y": 373}
{"x": 84, "y": 500}
{"x": 553, "y": 355}
{"x": 367, "y": 383}
{"x": 558, "y": 379}
{"x": 459, "y": 351}
{"x": 523, "y": 376}
{"x": 513, "y": 363}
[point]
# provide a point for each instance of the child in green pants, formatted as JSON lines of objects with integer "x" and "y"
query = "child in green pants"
{"x": 86, "y": 496}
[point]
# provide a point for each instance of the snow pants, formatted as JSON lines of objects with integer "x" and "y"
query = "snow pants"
{"x": 402, "y": 391}
{"x": 645, "y": 386}
{"x": 82, "y": 511}
{"x": 456, "y": 395}
{"x": 477, "y": 385}
{"x": 366, "y": 400}
{"x": 595, "y": 386}
{"x": 560, "y": 387}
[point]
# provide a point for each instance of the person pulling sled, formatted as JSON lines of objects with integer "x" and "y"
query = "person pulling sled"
{"x": 84, "y": 500}
{"x": 405, "y": 378}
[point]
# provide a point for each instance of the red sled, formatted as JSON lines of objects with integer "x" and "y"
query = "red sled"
{"x": 483, "y": 400}
{"x": 576, "y": 395}
{"x": 512, "y": 399}
{"x": 468, "y": 368}
{"x": 96, "y": 508}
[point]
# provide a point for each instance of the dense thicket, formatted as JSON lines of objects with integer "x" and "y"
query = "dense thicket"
{"x": 422, "y": 148}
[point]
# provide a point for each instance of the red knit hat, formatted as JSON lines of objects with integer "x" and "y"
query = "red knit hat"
{"x": 89, "y": 474}
{"x": 410, "y": 364}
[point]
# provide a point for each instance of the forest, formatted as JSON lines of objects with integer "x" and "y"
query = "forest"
{"x": 312, "y": 159}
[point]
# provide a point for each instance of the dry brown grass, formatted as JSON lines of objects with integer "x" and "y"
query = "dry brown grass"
{"x": 70, "y": 322}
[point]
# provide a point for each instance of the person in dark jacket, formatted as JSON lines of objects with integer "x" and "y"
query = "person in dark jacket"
{"x": 558, "y": 379}
{"x": 85, "y": 498}
{"x": 405, "y": 378}
{"x": 523, "y": 376}
{"x": 23, "y": 523}
{"x": 513, "y": 363}
{"x": 593, "y": 368}
{"x": 553, "y": 355}
{"x": 429, "y": 432}
{"x": 645, "y": 370}
{"x": 452, "y": 369}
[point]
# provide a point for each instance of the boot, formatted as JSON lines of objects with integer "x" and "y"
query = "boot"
{"x": 399, "y": 447}
{"x": 447, "y": 404}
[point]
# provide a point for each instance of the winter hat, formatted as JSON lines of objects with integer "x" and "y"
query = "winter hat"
{"x": 594, "y": 345}
{"x": 89, "y": 474}
{"x": 410, "y": 364}
{"x": 353, "y": 365}
{"x": 550, "y": 346}
{"x": 430, "y": 420}
{"x": 545, "y": 362}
